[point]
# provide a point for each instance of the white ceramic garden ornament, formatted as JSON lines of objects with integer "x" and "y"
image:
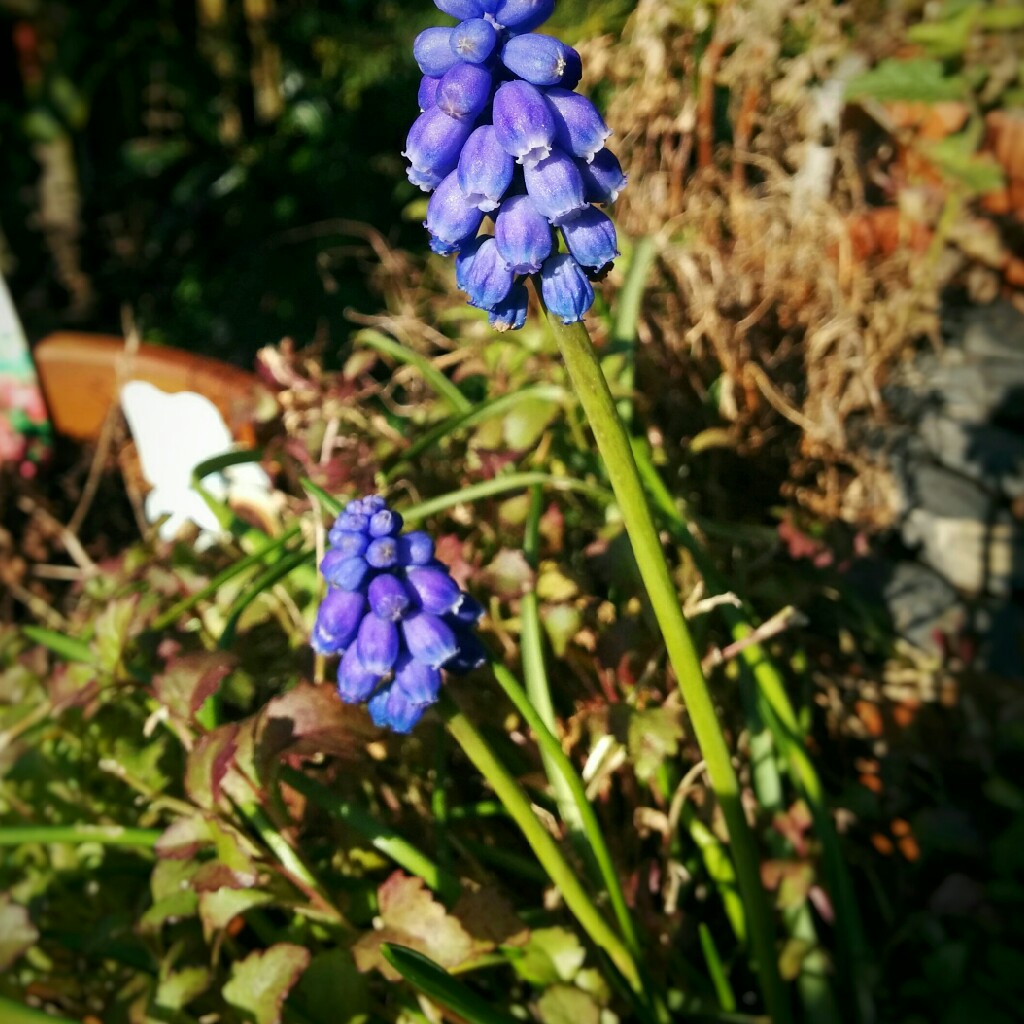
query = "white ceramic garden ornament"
{"x": 173, "y": 434}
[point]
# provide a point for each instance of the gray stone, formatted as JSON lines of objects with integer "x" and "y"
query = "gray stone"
{"x": 975, "y": 555}
{"x": 922, "y": 605}
{"x": 939, "y": 491}
{"x": 991, "y": 455}
{"x": 979, "y": 391}
{"x": 999, "y": 627}
{"x": 996, "y": 330}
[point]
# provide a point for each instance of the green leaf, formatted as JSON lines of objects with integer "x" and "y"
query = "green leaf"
{"x": 552, "y": 955}
{"x": 177, "y": 989}
{"x": 524, "y": 424}
{"x": 151, "y": 157}
{"x": 561, "y": 623}
{"x": 260, "y": 983}
{"x": 653, "y": 736}
{"x": 917, "y": 79}
{"x": 14, "y": 1013}
{"x": 17, "y": 932}
{"x": 792, "y": 957}
{"x": 113, "y": 627}
{"x": 947, "y": 38}
{"x": 1001, "y": 19}
{"x": 208, "y": 763}
{"x": 554, "y": 585}
{"x": 566, "y": 1004}
{"x": 716, "y": 970}
{"x": 218, "y": 909}
{"x": 957, "y": 158}
{"x": 410, "y": 916}
{"x": 67, "y": 648}
{"x": 328, "y": 503}
{"x": 441, "y": 987}
{"x": 431, "y": 374}
{"x": 189, "y": 679}
{"x": 331, "y": 990}
{"x": 172, "y": 908}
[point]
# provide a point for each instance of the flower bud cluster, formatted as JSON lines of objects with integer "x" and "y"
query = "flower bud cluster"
{"x": 394, "y": 613}
{"x": 502, "y": 134}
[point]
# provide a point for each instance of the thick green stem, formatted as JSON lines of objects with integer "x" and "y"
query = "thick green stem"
{"x": 546, "y": 850}
{"x": 585, "y": 372}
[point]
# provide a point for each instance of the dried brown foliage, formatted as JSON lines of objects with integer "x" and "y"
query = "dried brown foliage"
{"x": 797, "y": 259}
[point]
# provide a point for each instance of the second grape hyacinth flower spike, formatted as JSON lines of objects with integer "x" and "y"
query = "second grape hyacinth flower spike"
{"x": 394, "y": 613}
{"x": 502, "y": 134}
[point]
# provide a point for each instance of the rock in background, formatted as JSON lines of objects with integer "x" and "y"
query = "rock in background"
{"x": 957, "y": 585}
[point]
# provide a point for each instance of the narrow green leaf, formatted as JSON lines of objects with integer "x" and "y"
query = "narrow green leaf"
{"x": 949, "y": 37}
{"x": 474, "y": 492}
{"x": 105, "y": 835}
{"x": 479, "y": 413}
{"x": 277, "y": 572}
{"x": 65, "y": 647}
{"x": 329, "y": 504}
{"x": 1001, "y": 19}
{"x": 499, "y": 485}
{"x": 545, "y": 849}
{"x": 716, "y": 970}
{"x": 854, "y": 957}
{"x": 438, "y": 985}
{"x": 263, "y": 553}
{"x": 431, "y": 374}
{"x": 383, "y": 839}
{"x": 225, "y": 517}
{"x": 920, "y": 79}
{"x": 15, "y": 1013}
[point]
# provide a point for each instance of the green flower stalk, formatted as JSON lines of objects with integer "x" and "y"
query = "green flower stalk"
{"x": 503, "y": 135}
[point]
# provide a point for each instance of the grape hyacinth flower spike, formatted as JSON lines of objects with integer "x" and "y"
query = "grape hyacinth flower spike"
{"x": 394, "y": 613}
{"x": 503, "y": 134}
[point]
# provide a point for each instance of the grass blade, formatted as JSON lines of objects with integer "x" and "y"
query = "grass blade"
{"x": 67, "y": 648}
{"x": 382, "y": 838}
{"x": 16, "y": 1013}
{"x": 105, "y": 835}
{"x": 716, "y": 970}
{"x": 267, "y": 550}
{"x": 476, "y": 414}
{"x": 780, "y": 716}
{"x": 439, "y": 986}
{"x": 431, "y": 374}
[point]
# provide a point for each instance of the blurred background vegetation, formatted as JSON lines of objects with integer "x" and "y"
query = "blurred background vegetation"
{"x": 197, "y": 163}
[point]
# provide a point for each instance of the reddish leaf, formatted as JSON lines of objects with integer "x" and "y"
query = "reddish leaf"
{"x": 412, "y": 917}
{"x": 184, "y": 837}
{"x": 187, "y": 681}
{"x": 308, "y": 720}
{"x": 490, "y": 919}
{"x": 208, "y": 763}
{"x": 260, "y": 983}
{"x": 218, "y": 909}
